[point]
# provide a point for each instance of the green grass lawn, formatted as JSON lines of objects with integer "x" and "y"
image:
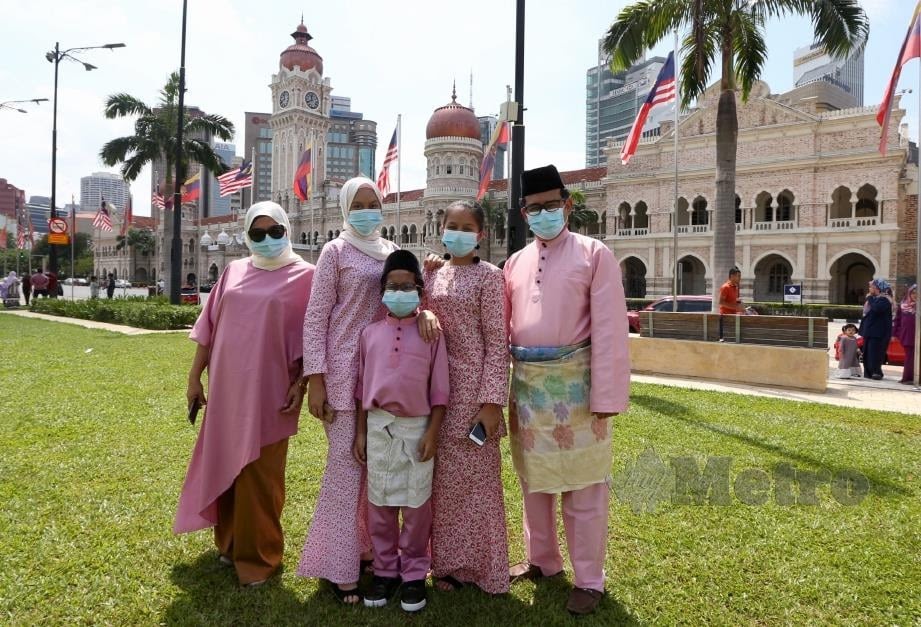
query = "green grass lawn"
{"x": 90, "y": 470}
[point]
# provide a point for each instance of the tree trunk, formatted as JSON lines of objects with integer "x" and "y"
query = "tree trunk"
{"x": 724, "y": 228}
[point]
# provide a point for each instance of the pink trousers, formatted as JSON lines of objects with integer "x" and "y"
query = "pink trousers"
{"x": 401, "y": 552}
{"x": 585, "y": 518}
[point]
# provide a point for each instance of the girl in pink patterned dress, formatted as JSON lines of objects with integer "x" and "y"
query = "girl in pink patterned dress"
{"x": 344, "y": 299}
{"x": 469, "y": 542}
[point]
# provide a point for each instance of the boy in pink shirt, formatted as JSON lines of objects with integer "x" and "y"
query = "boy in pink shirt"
{"x": 402, "y": 393}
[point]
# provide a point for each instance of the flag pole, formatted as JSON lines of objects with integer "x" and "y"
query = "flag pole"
{"x": 399, "y": 168}
{"x": 675, "y": 265}
{"x": 917, "y": 356}
{"x": 313, "y": 151}
{"x": 73, "y": 242}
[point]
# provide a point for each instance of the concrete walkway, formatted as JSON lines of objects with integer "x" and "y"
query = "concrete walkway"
{"x": 88, "y": 324}
{"x": 885, "y": 395}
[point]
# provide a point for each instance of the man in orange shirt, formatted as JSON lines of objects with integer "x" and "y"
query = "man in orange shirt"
{"x": 729, "y": 294}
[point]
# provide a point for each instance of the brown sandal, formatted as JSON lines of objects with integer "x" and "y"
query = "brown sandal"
{"x": 583, "y": 601}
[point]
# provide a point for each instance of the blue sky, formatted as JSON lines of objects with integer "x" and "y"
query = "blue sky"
{"x": 390, "y": 58}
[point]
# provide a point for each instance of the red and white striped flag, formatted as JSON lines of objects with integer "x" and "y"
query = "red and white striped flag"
{"x": 393, "y": 153}
{"x": 663, "y": 92}
{"x": 911, "y": 49}
{"x": 103, "y": 219}
{"x": 236, "y": 179}
{"x": 157, "y": 199}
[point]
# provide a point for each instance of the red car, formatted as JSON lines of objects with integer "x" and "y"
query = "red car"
{"x": 685, "y": 303}
{"x": 895, "y": 353}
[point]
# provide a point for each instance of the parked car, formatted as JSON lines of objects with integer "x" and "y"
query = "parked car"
{"x": 122, "y": 283}
{"x": 685, "y": 303}
{"x": 895, "y": 352}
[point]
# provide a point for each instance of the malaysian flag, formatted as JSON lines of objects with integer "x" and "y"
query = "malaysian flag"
{"x": 21, "y": 229}
{"x": 302, "y": 177}
{"x": 911, "y": 49}
{"x": 499, "y": 140}
{"x": 236, "y": 179}
{"x": 128, "y": 217}
{"x": 663, "y": 92}
{"x": 103, "y": 219}
{"x": 393, "y": 153}
{"x": 157, "y": 199}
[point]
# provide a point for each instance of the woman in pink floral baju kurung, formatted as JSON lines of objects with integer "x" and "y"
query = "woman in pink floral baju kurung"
{"x": 345, "y": 298}
{"x": 469, "y": 541}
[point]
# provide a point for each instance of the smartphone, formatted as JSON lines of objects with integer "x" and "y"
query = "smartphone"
{"x": 193, "y": 410}
{"x": 478, "y": 433}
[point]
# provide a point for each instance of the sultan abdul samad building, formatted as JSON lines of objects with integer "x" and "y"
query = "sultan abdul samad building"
{"x": 816, "y": 203}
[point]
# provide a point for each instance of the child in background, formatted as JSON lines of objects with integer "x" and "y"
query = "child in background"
{"x": 848, "y": 351}
{"x": 402, "y": 393}
{"x": 94, "y": 287}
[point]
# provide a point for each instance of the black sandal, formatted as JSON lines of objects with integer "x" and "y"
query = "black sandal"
{"x": 451, "y": 581}
{"x": 343, "y": 594}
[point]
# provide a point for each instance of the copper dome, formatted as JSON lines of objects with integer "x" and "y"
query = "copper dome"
{"x": 453, "y": 120}
{"x": 300, "y": 54}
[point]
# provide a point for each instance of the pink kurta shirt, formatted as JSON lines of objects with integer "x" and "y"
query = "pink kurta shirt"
{"x": 252, "y": 324}
{"x": 565, "y": 291}
{"x": 345, "y": 298}
{"x": 398, "y": 372}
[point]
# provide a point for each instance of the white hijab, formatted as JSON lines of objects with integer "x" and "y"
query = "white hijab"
{"x": 372, "y": 245}
{"x": 272, "y": 210}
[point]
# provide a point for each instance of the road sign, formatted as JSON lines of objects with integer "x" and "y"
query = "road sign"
{"x": 793, "y": 293}
{"x": 57, "y": 225}
{"x": 59, "y": 239}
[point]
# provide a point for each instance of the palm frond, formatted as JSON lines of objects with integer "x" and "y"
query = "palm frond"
{"x": 213, "y": 125}
{"x": 841, "y": 25}
{"x": 750, "y": 49}
{"x": 124, "y": 105}
{"x": 203, "y": 153}
{"x": 698, "y": 54}
{"x": 640, "y": 26}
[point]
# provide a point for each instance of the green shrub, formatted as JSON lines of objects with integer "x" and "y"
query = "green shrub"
{"x": 139, "y": 312}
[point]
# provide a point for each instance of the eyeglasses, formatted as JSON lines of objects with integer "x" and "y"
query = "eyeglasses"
{"x": 536, "y": 208}
{"x": 276, "y": 231}
{"x": 401, "y": 287}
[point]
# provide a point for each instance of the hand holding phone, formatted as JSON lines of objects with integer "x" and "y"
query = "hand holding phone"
{"x": 194, "y": 408}
{"x": 478, "y": 434}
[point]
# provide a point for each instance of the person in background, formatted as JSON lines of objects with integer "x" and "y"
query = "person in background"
{"x": 94, "y": 287}
{"x": 7, "y": 286}
{"x": 402, "y": 393}
{"x": 236, "y": 477}
{"x": 110, "y": 286}
{"x": 54, "y": 287}
{"x": 876, "y": 328}
{"x": 27, "y": 287}
{"x": 904, "y": 330}
{"x": 39, "y": 284}
{"x": 848, "y": 353}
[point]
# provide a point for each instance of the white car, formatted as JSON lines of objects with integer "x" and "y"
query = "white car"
{"x": 122, "y": 283}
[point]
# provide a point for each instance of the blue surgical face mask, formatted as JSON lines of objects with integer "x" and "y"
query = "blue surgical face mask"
{"x": 365, "y": 221}
{"x": 269, "y": 247}
{"x": 547, "y": 224}
{"x": 401, "y": 304}
{"x": 459, "y": 243}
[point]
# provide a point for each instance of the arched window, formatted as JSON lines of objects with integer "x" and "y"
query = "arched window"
{"x": 841, "y": 203}
{"x": 337, "y": 233}
{"x": 303, "y": 238}
{"x": 329, "y": 236}
{"x": 784, "y": 211}
{"x": 437, "y": 166}
{"x": 316, "y": 237}
{"x": 699, "y": 214}
{"x": 412, "y": 234}
{"x": 404, "y": 235}
{"x": 778, "y": 276}
{"x": 392, "y": 234}
{"x": 866, "y": 202}
{"x": 384, "y": 232}
{"x": 640, "y": 216}
{"x": 623, "y": 215}
{"x": 449, "y": 165}
{"x": 764, "y": 207}
{"x": 738, "y": 210}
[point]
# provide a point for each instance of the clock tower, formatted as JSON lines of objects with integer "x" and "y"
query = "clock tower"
{"x": 300, "y": 118}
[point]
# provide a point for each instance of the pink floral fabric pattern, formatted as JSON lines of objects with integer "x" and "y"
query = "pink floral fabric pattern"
{"x": 469, "y": 534}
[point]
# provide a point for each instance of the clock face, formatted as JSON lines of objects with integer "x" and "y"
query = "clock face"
{"x": 312, "y": 100}
{"x": 284, "y": 99}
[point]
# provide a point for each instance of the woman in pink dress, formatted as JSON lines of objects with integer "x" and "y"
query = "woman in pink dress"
{"x": 236, "y": 478}
{"x": 469, "y": 542}
{"x": 344, "y": 300}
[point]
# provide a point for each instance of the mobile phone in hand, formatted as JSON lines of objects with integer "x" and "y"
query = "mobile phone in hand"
{"x": 194, "y": 409}
{"x": 478, "y": 433}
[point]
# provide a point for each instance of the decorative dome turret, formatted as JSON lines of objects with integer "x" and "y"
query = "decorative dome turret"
{"x": 453, "y": 120}
{"x": 300, "y": 54}
{"x": 223, "y": 238}
{"x": 206, "y": 240}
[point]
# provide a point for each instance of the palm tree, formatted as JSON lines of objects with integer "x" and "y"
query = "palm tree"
{"x": 155, "y": 134}
{"x": 730, "y": 32}
{"x": 140, "y": 241}
{"x": 581, "y": 216}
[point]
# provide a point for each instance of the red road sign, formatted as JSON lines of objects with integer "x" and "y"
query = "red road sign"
{"x": 57, "y": 225}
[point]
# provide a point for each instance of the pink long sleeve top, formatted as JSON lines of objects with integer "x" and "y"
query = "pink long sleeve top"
{"x": 251, "y": 325}
{"x": 346, "y": 297}
{"x": 568, "y": 290}
{"x": 398, "y": 372}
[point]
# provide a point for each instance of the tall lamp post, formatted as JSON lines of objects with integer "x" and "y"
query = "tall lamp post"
{"x": 6, "y": 105}
{"x": 56, "y": 56}
{"x": 175, "y": 271}
{"x": 517, "y": 229}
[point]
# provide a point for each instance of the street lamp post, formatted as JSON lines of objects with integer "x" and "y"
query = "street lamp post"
{"x": 6, "y": 105}
{"x": 517, "y": 229}
{"x": 55, "y": 56}
{"x": 176, "y": 241}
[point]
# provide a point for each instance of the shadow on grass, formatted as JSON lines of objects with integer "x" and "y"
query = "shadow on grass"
{"x": 553, "y": 592}
{"x": 881, "y": 486}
